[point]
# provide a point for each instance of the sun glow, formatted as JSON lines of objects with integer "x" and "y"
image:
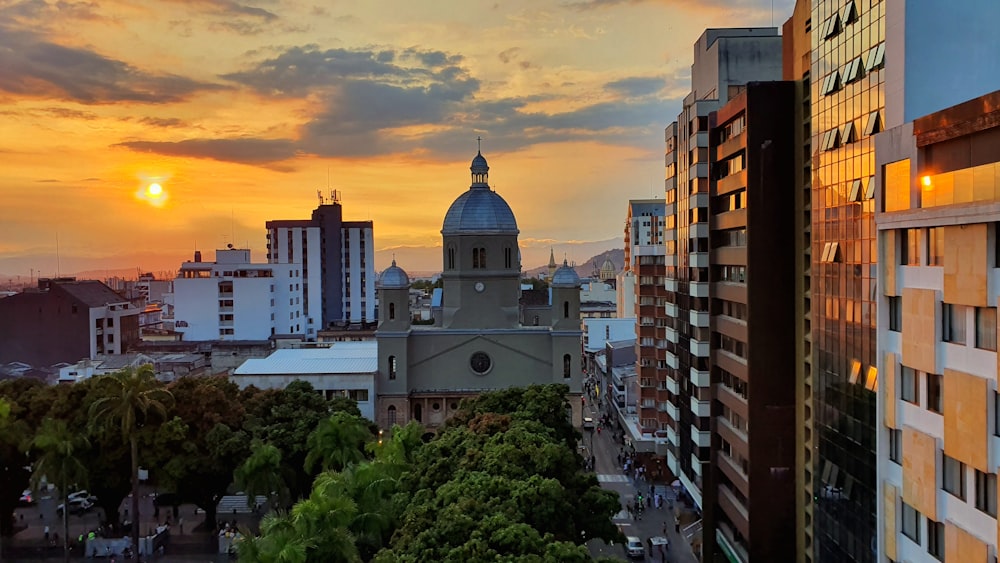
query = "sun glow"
{"x": 154, "y": 190}
{"x": 151, "y": 191}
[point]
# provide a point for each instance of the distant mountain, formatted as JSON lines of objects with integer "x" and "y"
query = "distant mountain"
{"x": 591, "y": 267}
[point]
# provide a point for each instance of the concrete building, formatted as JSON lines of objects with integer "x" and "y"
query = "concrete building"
{"x": 598, "y": 332}
{"x": 478, "y": 341}
{"x": 725, "y": 60}
{"x": 937, "y": 218}
{"x": 344, "y": 369}
{"x": 63, "y": 320}
{"x": 337, "y": 261}
{"x": 234, "y": 299}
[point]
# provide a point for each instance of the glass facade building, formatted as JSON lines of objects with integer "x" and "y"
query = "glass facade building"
{"x": 847, "y": 56}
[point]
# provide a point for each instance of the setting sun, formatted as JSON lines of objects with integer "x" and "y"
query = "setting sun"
{"x": 154, "y": 190}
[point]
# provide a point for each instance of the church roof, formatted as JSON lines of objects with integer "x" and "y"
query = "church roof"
{"x": 479, "y": 210}
{"x": 566, "y": 275}
{"x": 394, "y": 277}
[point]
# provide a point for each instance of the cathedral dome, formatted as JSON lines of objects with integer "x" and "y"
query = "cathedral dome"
{"x": 566, "y": 275}
{"x": 394, "y": 277}
{"x": 479, "y": 210}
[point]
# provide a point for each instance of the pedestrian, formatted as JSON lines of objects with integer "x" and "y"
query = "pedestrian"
{"x": 677, "y": 526}
{"x": 649, "y": 501}
{"x": 46, "y": 532}
{"x": 180, "y": 526}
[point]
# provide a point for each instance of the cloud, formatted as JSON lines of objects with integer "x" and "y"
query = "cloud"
{"x": 163, "y": 121}
{"x": 38, "y": 68}
{"x": 637, "y": 86}
{"x": 229, "y": 8}
{"x": 242, "y": 150}
{"x": 780, "y": 7}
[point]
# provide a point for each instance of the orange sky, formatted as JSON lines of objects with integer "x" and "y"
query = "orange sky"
{"x": 242, "y": 110}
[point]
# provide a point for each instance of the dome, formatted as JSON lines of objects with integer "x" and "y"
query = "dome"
{"x": 566, "y": 275}
{"x": 479, "y": 210}
{"x": 394, "y": 277}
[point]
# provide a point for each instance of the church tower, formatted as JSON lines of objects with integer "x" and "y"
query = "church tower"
{"x": 482, "y": 264}
{"x": 552, "y": 264}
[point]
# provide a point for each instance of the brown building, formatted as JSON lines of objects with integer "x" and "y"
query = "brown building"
{"x": 65, "y": 320}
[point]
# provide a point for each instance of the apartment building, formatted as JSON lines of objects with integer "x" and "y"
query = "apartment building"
{"x": 725, "y": 60}
{"x": 645, "y": 255}
{"x": 234, "y": 299}
{"x": 337, "y": 260}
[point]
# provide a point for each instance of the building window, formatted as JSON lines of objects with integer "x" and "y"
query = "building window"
{"x": 451, "y": 257}
{"x": 911, "y": 523}
{"x": 896, "y": 446}
{"x": 392, "y": 311}
{"x": 935, "y": 539}
{"x": 896, "y": 314}
{"x": 935, "y": 246}
{"x": 479, "y": 258}
{"x": 507, "y": 257}
{"x": 392, "y": 367}
{"x": 909, "y": 388}
{"x": 567, "y": 365}
{"x": 953, "y": 319}
{"x": 391, "y": 415}
{"x": 986, "y": 328}
{"x": 934, "y": 384}
{"x": 953, "y": 480}
{"x": 986, "y": 492}
{"x": 910, "y": 255}
{"x": 565, "y": 309}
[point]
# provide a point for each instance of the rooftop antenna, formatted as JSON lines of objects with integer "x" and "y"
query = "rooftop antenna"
{"x": 57, "y": 254}
{"x": 232, "y": 224}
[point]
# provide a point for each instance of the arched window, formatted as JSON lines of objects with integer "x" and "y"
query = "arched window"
{"x": 392, "y": 311}
{"x": 451, "y": 257}
{"x": 567, "y": 365}
{"x": 565, "y": 309}
{"x": 479, "y": 258}
{"x": 392, "y": 367}
{"x": 391, "y": 415}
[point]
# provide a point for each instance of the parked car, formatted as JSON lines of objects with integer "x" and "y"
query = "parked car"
{"x": 27, "y": 498}
{"x": 78, "y": 505}
{"x": 588, "y": 423}
{"x": 633, "y": 548}
{"x": 83, "y": 495}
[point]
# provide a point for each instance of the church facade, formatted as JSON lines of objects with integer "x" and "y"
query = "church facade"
{"x": 477, "y": 342}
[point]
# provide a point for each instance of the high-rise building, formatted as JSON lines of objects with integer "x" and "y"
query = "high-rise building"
{"x": 645, "y": 257}
{"x": 847, "y": 99}
{"x": 338, "y": 264}
{"x": 234, "y": 299}
{"x": 725, "y": 60}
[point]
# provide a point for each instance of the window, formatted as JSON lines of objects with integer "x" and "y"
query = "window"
{"x": 392, "y": 367}
{"x": 567, "y": 365}
{"x": 896, "y": 314}
{"x": 391, "y": 415}
{"x": 934, "y": 393}
{"x": 875, "y": 58}
{"x": 873, "y": 124}
{"x": 909, "y": 389}
{"x": 565, "y": 309}
{"x": 852, "y": 71}
{"x": 896, "y": 446}
{"x": 986, "y": 328}
{"x": 910, "y": 255}
{"x": 986, "y": 492}
{"x": 935, "y": 539}
{"x": 953, "y": 319}
{"x": 479, "y": 258}
{"x": 911, "y": 523}
{"x": 392, "y": 311}
{"x": 507, "y": 257}
{"x": 953, "y": 479}
{"x": 451, "y": 257}
{"x": 935, "y": 246}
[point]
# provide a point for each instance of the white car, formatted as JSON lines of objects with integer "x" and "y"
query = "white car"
{"x": 633, "y": 547}
{"x": 81, "y": 494}
{"x": 588, "y": 423}
{"x": 77, "y": 505}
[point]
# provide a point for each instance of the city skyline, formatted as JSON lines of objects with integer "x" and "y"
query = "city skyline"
{"x": 242, "y": 111}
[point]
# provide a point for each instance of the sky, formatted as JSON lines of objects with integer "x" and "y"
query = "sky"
{"x": 241, "y": 110}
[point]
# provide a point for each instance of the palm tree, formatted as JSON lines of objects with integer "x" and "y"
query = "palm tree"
{"x": 337, "y": 442}
{"x": 131, "y": 397}
{"x": 263, "y": 474}
{"x": 58, "y": 462}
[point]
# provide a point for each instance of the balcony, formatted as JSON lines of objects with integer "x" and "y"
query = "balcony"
{"x": 732, "y": 182}
{"x": 701, "y": 408}
{"x": 700, "y": 378}
{"x": 228, "y": 294}
{"x": 672, "y": 360}
{"x": 698, "y": 318}
{"x": 671, "y": 335}
{"x": 670, "y": 309}
{"x": 225, "y": 309}
{"x": 672, "y": 385}
{"x": 730, "y": 219}
{"x": 672, "y": 436}
{"x": 699, "y": 348}
{"x": 699, "y": 259}
{"x": 698, "y": 289}
{"x": 225, "y": 323}
{"x": 702, "y": 439}
{"x": 673, "y": 411}
{"x": 670, "y": 284}
{"x": 730, "y": 146}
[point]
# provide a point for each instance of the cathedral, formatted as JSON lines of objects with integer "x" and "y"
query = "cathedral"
{"x": 477, "y": 342}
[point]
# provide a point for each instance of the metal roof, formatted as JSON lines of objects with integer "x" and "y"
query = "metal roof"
{"x": 340, "y": 358}
{"x": 479, "y": 210}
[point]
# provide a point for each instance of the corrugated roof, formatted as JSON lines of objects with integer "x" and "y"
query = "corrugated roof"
{"x": 341, "y": 358}
{"x": 91, "y": 292}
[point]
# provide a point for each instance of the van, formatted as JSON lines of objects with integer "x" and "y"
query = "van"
{"x": 633, "y": 548}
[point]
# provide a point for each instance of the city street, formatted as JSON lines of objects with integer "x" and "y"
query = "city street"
{"x": 653, "y": 522}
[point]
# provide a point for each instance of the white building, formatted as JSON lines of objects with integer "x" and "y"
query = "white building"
{"x": 341, "y": 369}
{"x": 337, "y": 260}
{"x": 234, "y": 299}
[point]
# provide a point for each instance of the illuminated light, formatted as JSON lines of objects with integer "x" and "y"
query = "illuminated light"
{"x": 151, "y": 190}
{"x": 926, "y": 181}
{"x": 155, "y": 190}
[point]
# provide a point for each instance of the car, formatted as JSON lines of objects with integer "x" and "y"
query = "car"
{"x": 82, "y": 495}
{"x": 633, "y": 548}
{"x": 588, "y": 423}
{"x": 78, "y": 505}
{"x": 27, "y": 498}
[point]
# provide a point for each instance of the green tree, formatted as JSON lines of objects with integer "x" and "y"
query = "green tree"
{"x": 14, "y": 438}
{"x": 337, "y": 442}
{"x": 131, "y": 398}
{"x": 59, "y": 462}
{"x": 263, "y": 474}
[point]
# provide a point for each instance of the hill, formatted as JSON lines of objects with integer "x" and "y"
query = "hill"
{"x": 590, "y": 267}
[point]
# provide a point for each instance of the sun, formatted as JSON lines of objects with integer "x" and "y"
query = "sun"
{"x": 154, "y": 190}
